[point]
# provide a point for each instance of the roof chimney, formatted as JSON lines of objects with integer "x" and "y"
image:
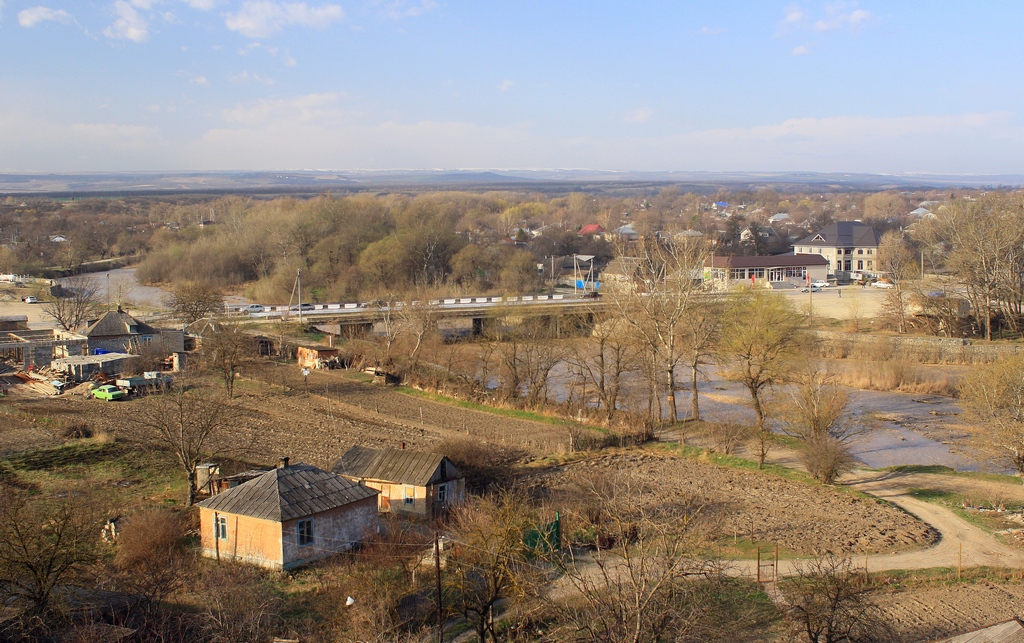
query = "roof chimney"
{"x": 284, "y": 462}
{"x": 403, "y": 446}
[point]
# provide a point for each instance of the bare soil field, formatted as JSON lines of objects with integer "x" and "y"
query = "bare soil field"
{"x": 801, "y": 518}
{"x": 929, "y": 613}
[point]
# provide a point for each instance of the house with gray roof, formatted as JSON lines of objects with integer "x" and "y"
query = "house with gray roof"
{"x": 116, "y": 331}
{"x": 411, "y": 483}
{"x": 847, "y": 246}
{"x": 287, "y": 517}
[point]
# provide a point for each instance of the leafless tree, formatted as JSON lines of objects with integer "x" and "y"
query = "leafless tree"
{"x": 993, "y": 396}
{"x": 192, "y": 422}
{"x": 43, "y": 544}
{"x": 602, "y": 359}
{"x": 225, "y": 348}
{"x": 420, "y": 314}
{"x": 76, "y": 303}
{"x": 898, "y": 262}
{"x": 759, "y": 338}
{"x": 656, "y": 301}
{"x": 192, "y": 300}
{"x": 826, "y": 602}
{"x": 490, "y": 561}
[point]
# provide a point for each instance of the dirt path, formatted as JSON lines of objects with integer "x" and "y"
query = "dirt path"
{"x": 960, "y": 542}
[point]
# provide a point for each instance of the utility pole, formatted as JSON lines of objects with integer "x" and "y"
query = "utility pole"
{"x": 298, "y": 279}
{"x": 440, "y": 611}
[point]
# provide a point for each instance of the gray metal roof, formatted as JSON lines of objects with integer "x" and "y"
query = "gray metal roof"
{"x": 287, "y": 493}
{"x": 842, "y": 234}
{"x": 1011, "y": 631}
{"x": 395, "y": 465}
{"x": 114, "y": 323}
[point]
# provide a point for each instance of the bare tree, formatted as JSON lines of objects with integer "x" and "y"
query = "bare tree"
{"x": 390, "y": 321}
{"x": 993, "y": 396}
{"x": 826, "y": 602}
{"x": 760, "y": 338}
{"x": 663, "y": 291}
{"x": 491, "y": 559}
{"x": 897, "y": 261}
{"x": 43, "y": 544}
{"x": 193, "y": 423}
{"x": 420, "y": 315}
{"x": 702, "y": 331}
{"x": 813, "y": 411}
{"x": 225, "y": 347}
{"x": 602, "y": 359}
{"x": 192, "y": 300}
{"x": 77, "y": 301}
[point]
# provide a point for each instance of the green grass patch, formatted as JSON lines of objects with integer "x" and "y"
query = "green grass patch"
{"x": 989, "y": 521}
{"x": 517, "y": 414}
{"x": 948, "y": 471}
{"x": 731, "y": 548}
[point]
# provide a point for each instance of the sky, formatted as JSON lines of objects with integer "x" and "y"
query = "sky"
{"x": 659, "y": 85}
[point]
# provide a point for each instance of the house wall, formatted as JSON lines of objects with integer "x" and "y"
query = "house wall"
{"x": 250, "y": 540}
{"x": 334, "y": 531}
{"x": 837, "y": 262}
{"x": 392, "y": 498}
{"x": 124, "y": 343}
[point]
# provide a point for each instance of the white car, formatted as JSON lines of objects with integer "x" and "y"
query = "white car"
{"x": 883, "y": 284}
{"x": 819, "y": 284}
{"x": 30, "y": 300}
{"x": 251, "y": 308}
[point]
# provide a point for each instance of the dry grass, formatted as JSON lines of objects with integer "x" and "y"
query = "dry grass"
{"x": 898, "y": 374}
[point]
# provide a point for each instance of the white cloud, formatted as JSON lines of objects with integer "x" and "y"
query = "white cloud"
{"x": 34, "y": 15}
{"x": 505, "y": 85}
{"x": 801, "y": 50}
{"x": 202, "y": 5}
{"x": 245, "y": 77}
{"x": 838, "y": 15}
{"x": 638, "y": 115}
{"x": 261, "y": 18}
{"x": 199, "y": 80}
{"x": 130, "y": 25}
{"x": 1, "y": 9}
{"x": 142, "y": 4}
{"x": 712, "y": 31}
{"x": 794, "y": 15}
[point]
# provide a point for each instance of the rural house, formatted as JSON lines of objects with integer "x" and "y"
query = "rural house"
{"x": 412, "y": 483}
{"x": 118, "y": 332}
{"x": 287, "y": 517}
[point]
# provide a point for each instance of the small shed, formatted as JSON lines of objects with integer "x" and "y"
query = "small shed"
{"x": 287, "y": 517}
{"x": 315, "y": 356}
{"x": 412, "y": 483}
{"x": 84, "y": 367}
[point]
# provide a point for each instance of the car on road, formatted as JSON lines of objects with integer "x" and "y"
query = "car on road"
{"x": 30, "y": 299}
{"x": 811, "y": 288}
{"x": 819, "y": 284}
{"x": 108, "y": 392}
{"x": 303, "y": 307}
{"x": 883, "y": 284}
{"x": 251, "y": 308}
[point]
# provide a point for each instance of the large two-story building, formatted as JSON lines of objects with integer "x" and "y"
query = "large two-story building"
{"x": 847, "y": 246}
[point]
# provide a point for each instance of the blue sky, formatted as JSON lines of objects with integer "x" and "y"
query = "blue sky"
{"x": 117, "y": 85}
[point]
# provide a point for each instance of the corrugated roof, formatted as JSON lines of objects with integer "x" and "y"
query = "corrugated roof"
{"x": 843, "y": 234}
{"x": 287, "y": 493}
{"x": 1011, "y": 631}
{"x": 117, "y": 322}
{"x": 394, "y": 465}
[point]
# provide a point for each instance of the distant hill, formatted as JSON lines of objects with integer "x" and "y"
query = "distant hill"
{"x": 545, "y": 180}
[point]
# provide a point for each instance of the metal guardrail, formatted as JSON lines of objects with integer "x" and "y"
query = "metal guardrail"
{"x": 449, "y": 303}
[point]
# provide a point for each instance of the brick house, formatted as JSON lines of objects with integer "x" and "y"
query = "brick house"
{"x": 287, "y": 517}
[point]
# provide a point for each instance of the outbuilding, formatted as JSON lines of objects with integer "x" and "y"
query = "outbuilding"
{"x": 413, "y": 483}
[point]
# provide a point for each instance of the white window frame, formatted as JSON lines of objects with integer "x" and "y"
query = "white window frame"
{"x": 220, "y": 527}
{"x": 304, "y": 539}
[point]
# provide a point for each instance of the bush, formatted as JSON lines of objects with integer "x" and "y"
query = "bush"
{"x": 826, "y": 458}
{"x": 483, "y": 464}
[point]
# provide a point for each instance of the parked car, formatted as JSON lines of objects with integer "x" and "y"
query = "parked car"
{"x": 819, "y": 284}
{"x": 107, "y": 392}
{"x": 303, "y": 307}
{"x": 30, "y": 299}
{"x": 251, "y": 308}
{"x": 883, "y": 284}
{"x": 811, "y": 288}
